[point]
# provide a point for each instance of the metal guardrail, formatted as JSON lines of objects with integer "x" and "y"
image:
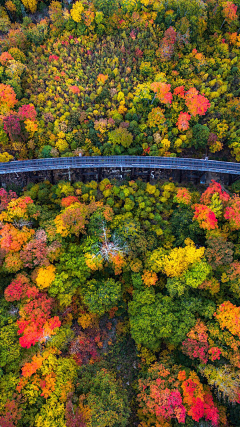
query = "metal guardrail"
{"x": 120, "y": 161}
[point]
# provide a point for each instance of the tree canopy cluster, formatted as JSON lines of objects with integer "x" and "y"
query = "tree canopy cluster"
{"x": 120, "y": 305}
{"x": 109, "y": 77}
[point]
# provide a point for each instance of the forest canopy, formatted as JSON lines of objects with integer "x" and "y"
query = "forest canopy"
{"x": 113, "y": 316}
{"x": 109, "y": 77}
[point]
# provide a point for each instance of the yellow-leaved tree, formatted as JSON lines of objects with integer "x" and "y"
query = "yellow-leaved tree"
{"x": 76, "y": 11}
{"x": 30, "y": 5}
{"x": 6, "y": 157}
{"x": 45, "y": 277}
{"x": 179, "y": 259}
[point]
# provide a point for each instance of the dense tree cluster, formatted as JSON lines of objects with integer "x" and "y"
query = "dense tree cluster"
{"x": 109, "y": 77}
{"x": 113, "y": 311}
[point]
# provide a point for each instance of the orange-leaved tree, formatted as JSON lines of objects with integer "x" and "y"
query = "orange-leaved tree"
{"x": 7, "y": 98}
{"x": 205, "y": 217}
{"x": 73, "y": 218}
{"x": 232, "y": 212}
{"x": 196, "y": 103}
{"x": 162, "y": 91}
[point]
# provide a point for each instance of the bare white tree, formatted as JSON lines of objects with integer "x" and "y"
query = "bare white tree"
{"x": 108, "y": 249}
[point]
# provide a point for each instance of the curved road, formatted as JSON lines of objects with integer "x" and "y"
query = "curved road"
{"x": 120, "y": 161}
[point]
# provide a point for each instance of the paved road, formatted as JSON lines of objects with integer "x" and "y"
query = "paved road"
{"x": 120, "y": 161}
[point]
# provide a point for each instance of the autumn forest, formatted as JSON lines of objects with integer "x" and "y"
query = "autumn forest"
{"x": 120, "y": 298}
